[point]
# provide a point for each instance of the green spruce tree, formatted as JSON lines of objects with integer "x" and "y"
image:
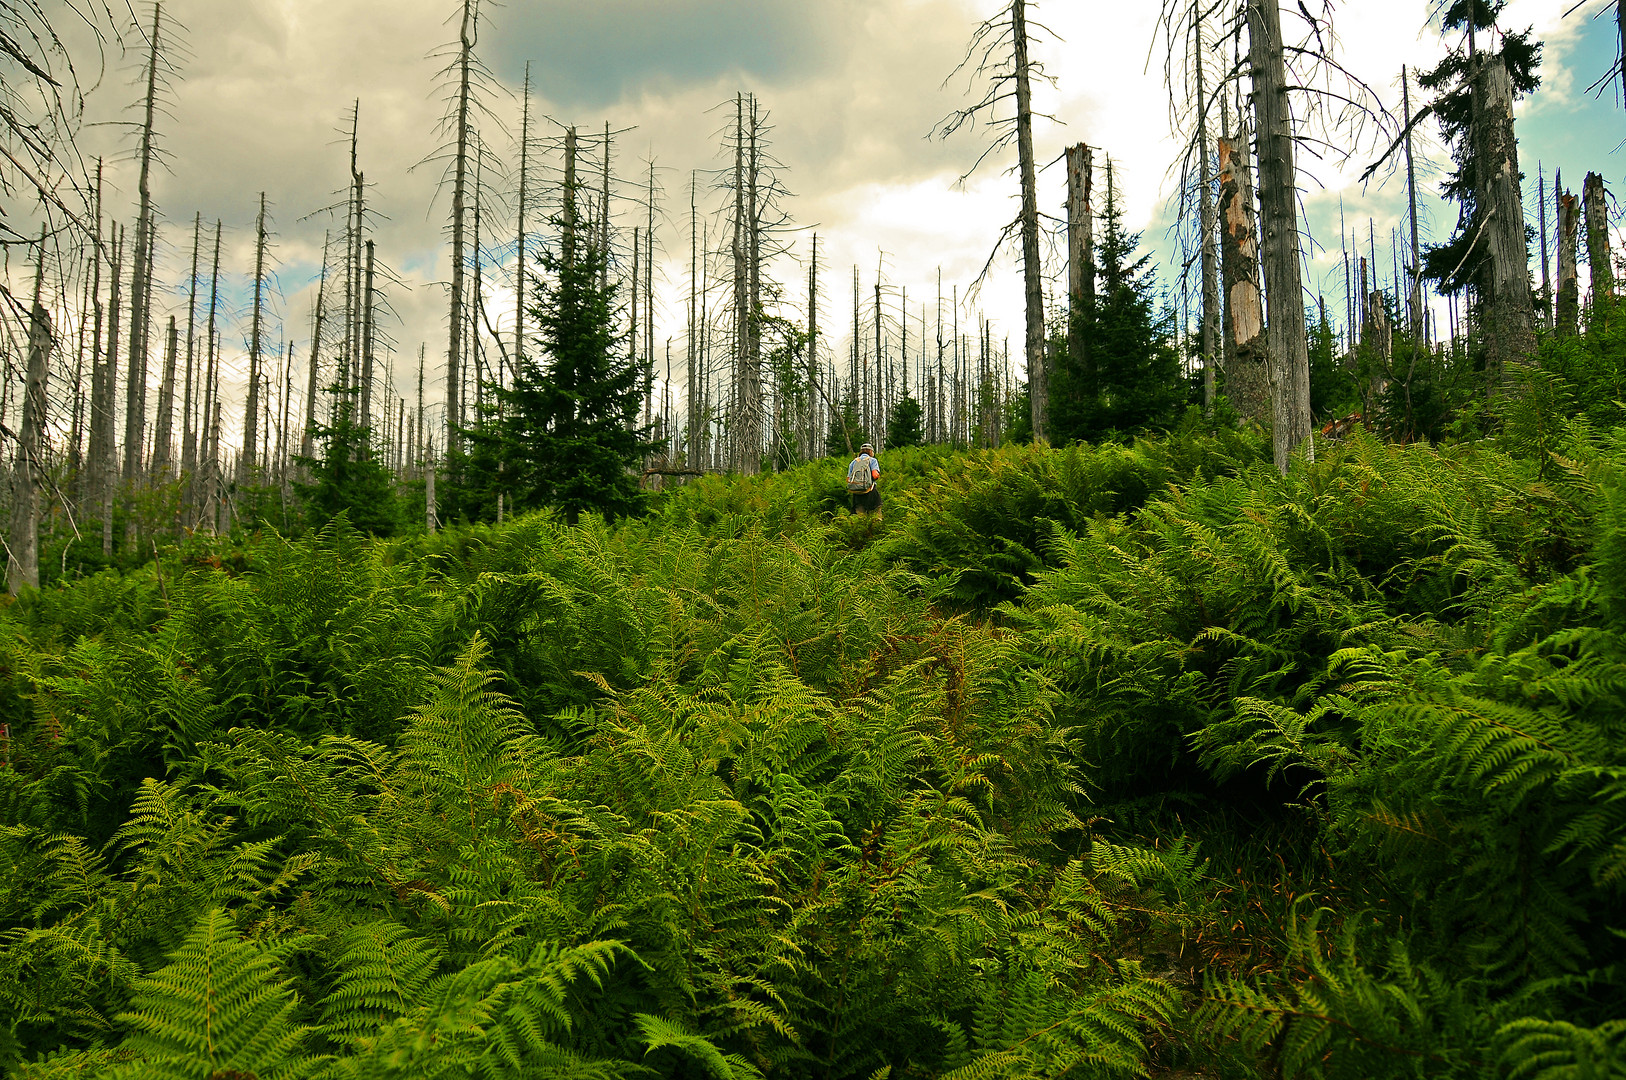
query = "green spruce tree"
{"x": 347, "y": 478}
{"x": 903, "y": 426}
{"x": 1132, "y": 383}
{"x": 565, "y": 434}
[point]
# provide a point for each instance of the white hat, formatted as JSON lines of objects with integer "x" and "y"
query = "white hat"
{"x": 866, "y": 449}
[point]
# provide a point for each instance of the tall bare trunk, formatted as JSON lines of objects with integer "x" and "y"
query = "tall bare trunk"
{"x": 189, "y": 429}
{"x": 1206, "y": 218}
{"x": 1247, "y": 384}
{"x": 1080, "y": 253}
{"x": 251, "y": 422}
{"x": 211, "y": 384}
{"x": 1569, "y": 237}
{"x": 743, "y": 450}
{"x": 23, "y": 545}
{"x": 1032, "y": 270}
{"x": 163, "y": 429}
{"x": 1545, "y": 304}
{"x": 307, "y": 444}
{"x": 519, "y": 245}
{"x": 1288, "y": 360}
{"x": 104, "y": 404}
{"x": 141, "y": 286}
{"x": 467, "y": 36}
{"x": 570, "y": 210}
{"x": 1504, "y": 279}
{"x": 1595, "y": 208}
{"x": 367, "y": 357}
{"x": 1414, "y": 288}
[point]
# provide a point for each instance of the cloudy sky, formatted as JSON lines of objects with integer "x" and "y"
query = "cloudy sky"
{"x": 263, "y": 89}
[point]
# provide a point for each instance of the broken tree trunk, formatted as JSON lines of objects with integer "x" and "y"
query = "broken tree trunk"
{"x": 454, "y": 348}
{"x": 163, "y": 429}
{"x": 1246, "y": 383}
{"x": 1288, "y": 359}
{"x": 1080, "y": 255}
{"x": 1569, "y": 234}
{"x": 1508, "y": 309}
{"x": 28, "y": 475}
{"x": 1032, "y": 269}
{"x": 1595, "y": 208}
{"x": 141, "y": 268}
{"x": 1206, "y": 219}
{"x": 251, "y": 421}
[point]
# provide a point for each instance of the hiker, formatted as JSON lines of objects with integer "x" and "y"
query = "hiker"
{"x": 863, "y": 477}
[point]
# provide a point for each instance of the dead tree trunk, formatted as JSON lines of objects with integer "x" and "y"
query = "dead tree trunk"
{"x": 1595, "y": 209}
{"x": 1032, "y": 269}
{"x": 103, "y": 409}
{"x": 1504, "y": 281}
{"x": 141, "y": 286}
{"x": 467, "y": 35}
{"x": 251, "y": 421}
{"x": 163, "y": 429}
{"x": 1288, "y": 359}
{"x": 1080, "y": 256}
{"x": 519, "y": 245}
{"x": 1246, "y": 381}
{"x": 189, "y": 430}
{"x": 307, "y": 444}
{"x": 367, "y": 358}
{"x": 1414, "y": 290}
{"x": 1206, "y": 218}
{"x": 569, "y": 243}
{"x": 23, "y": 546}
{"x": 1569, "y": 236}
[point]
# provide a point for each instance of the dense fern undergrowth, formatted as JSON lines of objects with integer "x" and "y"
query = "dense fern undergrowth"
{"x": 1128, "y": 761}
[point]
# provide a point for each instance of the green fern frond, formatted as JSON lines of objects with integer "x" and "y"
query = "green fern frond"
{"x": 217, "y": 1007}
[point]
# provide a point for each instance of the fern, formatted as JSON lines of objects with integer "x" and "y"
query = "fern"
{"x": 217, "y": 1008}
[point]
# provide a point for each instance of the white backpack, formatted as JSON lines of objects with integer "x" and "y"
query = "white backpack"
{"x": 860, "y": 475}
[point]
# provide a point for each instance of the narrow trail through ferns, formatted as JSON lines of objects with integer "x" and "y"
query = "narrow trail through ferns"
{"x": 1129, "y": 761}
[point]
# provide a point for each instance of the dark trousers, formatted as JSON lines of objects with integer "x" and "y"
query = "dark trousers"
{"x": 867, "y": 502}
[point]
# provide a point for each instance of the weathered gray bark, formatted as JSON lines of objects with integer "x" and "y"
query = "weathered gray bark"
{"x": 569, "y": 196}
{"x": 1569, "y": 236}
{"x": 519, "y": 245}
{"x": 1378, "y": 337}
{"x": 1508, "y": 309}
{"x": 1206, "y": 219}
{"x": 28, "y": 473}
{"x": 211, "y": 400}
{"x": 1032, "y": 269}
{"x": 1080, "y": 252}
{"x": 467, "y": 35}
{"x": 1288, "y": 354}
{"x": 251, "y": 422}
{"x": 88, "y": 485}
{"x": 163, "y": 430}
{"x": 103, "y": 408}
{"x": 1247, "y": 384}
{"x": 1595, "y": 209}
{"x": 367, "y": 356}
{"x": 189, "y": 430}
{"x": 1546, "y": 302}
{"x": 307, "y": 444}
{"x": 141, "y": 287}
{"x": 1414, "y": 289}
{"x": 745, "y": 446}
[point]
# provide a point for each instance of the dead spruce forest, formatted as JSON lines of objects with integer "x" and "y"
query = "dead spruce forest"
{"x": 1232, "y": 685}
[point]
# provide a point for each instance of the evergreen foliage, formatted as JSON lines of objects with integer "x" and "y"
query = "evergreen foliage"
{"x": 1131, "y": 383}
{"x": 564, "y": 434}
{"x": 903, "y": 426}
{"x": 348, "y": 479}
